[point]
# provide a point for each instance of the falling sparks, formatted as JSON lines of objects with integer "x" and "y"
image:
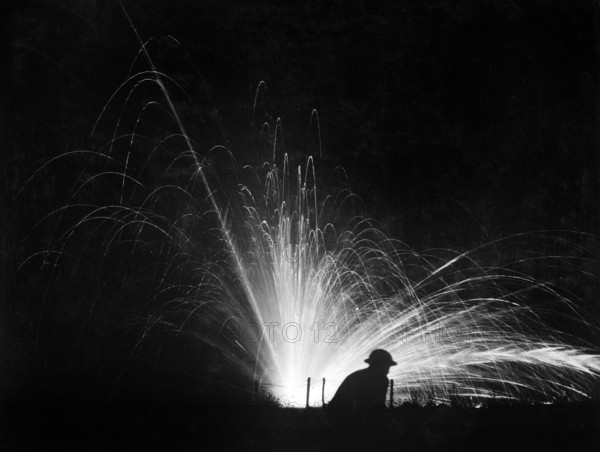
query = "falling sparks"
{"x": 304, "y": 287}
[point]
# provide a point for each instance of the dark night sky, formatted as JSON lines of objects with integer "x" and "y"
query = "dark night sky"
{"x": 457, "y": 122}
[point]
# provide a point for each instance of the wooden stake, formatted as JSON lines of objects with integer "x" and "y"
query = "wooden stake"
{"x": 392, "y": 393}
{"x": 307, "y": 390}
{"x": 323, "y": 393}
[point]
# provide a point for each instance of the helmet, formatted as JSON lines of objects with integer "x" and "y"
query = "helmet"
{"x": 380, "y": 356}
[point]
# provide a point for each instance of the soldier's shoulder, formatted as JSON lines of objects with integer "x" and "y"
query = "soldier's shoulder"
{"x": 358, "y": 374}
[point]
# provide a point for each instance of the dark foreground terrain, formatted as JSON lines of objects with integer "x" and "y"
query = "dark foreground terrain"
{"x": 168, "y": 427}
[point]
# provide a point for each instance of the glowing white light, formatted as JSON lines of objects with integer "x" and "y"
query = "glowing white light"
{"x": 450, "y": 332}
{"x": 323, "y": 288}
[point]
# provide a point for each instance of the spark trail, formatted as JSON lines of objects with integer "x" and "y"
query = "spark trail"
{"x": 306, "y": 287}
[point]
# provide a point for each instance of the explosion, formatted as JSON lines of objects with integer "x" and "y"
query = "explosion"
{"x": 299, "y": 285}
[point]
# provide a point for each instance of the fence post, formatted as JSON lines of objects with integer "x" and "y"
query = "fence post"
{"x": 392, "y": 393}
{"x": 323, "y": 393}
{"x": 307, "y": 390}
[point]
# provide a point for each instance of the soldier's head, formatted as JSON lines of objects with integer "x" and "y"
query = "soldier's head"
{"x": 380, "y": 360}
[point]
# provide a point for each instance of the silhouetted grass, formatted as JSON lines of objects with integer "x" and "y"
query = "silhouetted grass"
{"x": 266, "y": 426}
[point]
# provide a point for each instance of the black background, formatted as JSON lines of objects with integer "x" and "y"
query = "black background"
{"x": 457, "y": 123}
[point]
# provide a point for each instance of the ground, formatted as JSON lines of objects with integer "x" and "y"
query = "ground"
{"x": 168, "y": 427}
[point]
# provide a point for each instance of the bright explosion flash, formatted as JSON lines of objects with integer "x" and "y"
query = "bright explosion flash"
{"x": 303, "y": 287}
{"x": 329, "y": 297}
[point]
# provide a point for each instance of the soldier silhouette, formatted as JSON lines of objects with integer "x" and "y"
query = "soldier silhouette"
{"x": 365, "y": 388}
{"x": 357, "y": 414}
